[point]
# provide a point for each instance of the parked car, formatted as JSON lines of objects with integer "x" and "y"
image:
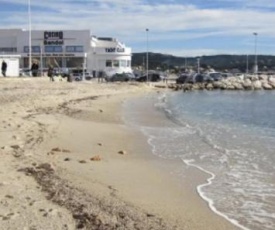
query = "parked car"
{"x": 182, "y": 79}
{"x": 216, "y": 76}
{"x": 153, "y": 77}
{"x": 25, "y": 73}
{"x": 88, "y": 76}
{"x": 199, "y": 78}
{"x": 77, "y": 75}
{"x": 118, "y": 77}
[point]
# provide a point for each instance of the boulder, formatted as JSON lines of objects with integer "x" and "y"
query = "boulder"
{"x": 272, "y": 83}
{"x": 247, "y": 84}
{"x": 254, "y": 78}
{"x": 209, "y": 86}
{"x": 196, "y": 87}
{"x": 217, "y": 84}
{"x": 238, "y": 86}
{"x": 257, "y": 84}
{"x": 263, "y": 77}
{"x": 267, "y": 86}
{"x": 230, "y": 87}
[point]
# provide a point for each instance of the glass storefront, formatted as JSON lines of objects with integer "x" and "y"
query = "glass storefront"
{"x": 55, "y": 62}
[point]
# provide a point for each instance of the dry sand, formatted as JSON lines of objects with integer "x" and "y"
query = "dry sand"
{"x": 69, "y": 162}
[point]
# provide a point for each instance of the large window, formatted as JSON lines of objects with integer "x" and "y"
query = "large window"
{"x": 123, "y": 63}
{"x": 116, "y": 63}
{"x": 74, "y": 49}
{"x": 108, "y": 63}
{"x": 8, "y": 49}
{"x": 35, "y": 49}
{"x": 53, "y": 49}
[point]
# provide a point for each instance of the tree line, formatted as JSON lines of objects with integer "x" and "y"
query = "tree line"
{"x": 218, "y": 62}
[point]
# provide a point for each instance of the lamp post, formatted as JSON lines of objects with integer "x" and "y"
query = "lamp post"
{"x": 84, "y": 66}
{"x": 147, "y": 57}
{"x": 30, "y": 34}
{"x": 185, "y": 64}
{"x": 256, "y": 64}
{"x": 247, "y": 64}
{"x": 198, "y": 60}
{"x": 41, "y": 59}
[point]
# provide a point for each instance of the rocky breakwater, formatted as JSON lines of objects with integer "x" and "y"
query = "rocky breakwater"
{"x": 262, "y": 82}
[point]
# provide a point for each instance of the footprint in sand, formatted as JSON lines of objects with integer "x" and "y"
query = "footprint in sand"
{"x": 82, "y": 161}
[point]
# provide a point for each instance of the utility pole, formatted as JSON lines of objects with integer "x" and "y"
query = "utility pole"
{"x": 198, "y": 60}
{"x": 147, "y": 56}
{"x": 256, "y": 61}
{"x": 30, "y": 35}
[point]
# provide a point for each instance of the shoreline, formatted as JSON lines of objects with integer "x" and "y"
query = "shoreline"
{"x": 119, "y": 191}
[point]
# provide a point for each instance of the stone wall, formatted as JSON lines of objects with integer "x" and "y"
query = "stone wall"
{"x": 262, "y": 82}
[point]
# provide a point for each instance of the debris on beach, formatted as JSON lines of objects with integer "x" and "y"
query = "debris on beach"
{"x": 65, "y": 151}
{"x": 122, "y": 152}
{"x": 56, "y": 149}
{"x": 95, "y": 158}
{"x": 53, "y": 150}
{"x": 15, "y": 147}
{"x": 82, "y": 162}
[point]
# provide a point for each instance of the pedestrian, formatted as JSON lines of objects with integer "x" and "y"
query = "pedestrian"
{"x": 50, "y": 73}
{"x": 4, "y": 68}
{"x": 34, "y": 69}
{"x": 100, "y": 76}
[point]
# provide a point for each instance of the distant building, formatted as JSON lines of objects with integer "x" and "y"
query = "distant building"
{"x": 66, "y": 49}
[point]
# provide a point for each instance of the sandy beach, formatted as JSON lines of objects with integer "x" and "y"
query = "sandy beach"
{"x": 68, "y": 161}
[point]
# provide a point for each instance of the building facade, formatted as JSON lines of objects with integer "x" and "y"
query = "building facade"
{"x": 72, "y": 49}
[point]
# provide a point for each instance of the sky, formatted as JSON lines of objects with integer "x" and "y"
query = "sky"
{"x": 185, "y": 28}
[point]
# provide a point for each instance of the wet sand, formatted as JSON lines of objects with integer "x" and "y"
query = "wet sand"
{"x": 70, "y": 162}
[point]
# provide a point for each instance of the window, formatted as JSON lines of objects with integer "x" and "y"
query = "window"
{"x": 70, "y": 49}
{"x": 35, "y": 49}
{"x": 79, "y": 49}
{"x": 8, "y": 49}
{"x": 53, "y": 49}
{"x": 108, "y": 63}
{"x": 116, "y": 63}
{"x": 74, "y": 49}
{"x": 123, "y": 63}
{"x": 58, "y": 49}
{"x": 128, "y": 63}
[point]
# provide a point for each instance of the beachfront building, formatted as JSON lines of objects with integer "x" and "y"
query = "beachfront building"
{"x": 110, "y": 55}
{"x": 72, "y": 49}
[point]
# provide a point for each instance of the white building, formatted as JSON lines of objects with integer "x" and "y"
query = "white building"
{"x": 66, "y": 49}
{"x": 12, "y": 63}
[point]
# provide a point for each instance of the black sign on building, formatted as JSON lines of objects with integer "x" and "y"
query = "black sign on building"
{"x": 53, "y": 38}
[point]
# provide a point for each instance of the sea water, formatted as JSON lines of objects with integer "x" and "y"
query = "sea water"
{"x": 229, "y": 136}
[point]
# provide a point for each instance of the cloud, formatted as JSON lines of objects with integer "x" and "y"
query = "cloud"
{"x": 169, "y": 21}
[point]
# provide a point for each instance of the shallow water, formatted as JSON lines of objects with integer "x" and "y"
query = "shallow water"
{"x": 230, "y": 136}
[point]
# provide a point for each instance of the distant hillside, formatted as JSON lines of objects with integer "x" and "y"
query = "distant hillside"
{"x": 218, "y": 62}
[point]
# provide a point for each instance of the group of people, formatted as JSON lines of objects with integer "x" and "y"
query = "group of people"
{"x": 34, "y": 70}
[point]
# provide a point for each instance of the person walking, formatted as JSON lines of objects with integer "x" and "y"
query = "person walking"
{"x": 50, "y": 73}
{"x": 34, "y": 69}
{"x": 4, "y": 68}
